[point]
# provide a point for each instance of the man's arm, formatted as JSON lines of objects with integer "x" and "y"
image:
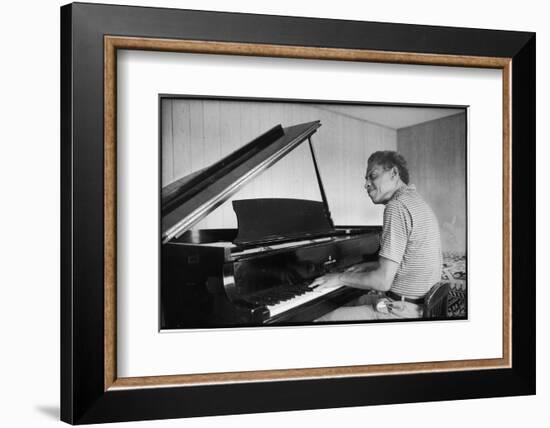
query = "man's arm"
{"x": 393, "y": 243}
{"x": 380, "y": 278}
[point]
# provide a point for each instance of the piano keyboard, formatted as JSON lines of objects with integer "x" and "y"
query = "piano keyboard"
{"x": 293, "y": 302}
{"x": 278, "y": 300}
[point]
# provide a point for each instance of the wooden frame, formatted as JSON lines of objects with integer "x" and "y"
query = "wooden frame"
{"x": 91, "y": 391}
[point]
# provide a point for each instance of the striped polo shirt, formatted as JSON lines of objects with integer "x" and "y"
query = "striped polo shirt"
{"x": 410, "y": 237}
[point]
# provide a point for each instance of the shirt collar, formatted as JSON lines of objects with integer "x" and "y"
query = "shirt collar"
{"x": 403, "y": 189}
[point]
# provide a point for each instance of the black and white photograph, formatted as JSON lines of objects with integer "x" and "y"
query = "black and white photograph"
{"x": 278, "y": 212}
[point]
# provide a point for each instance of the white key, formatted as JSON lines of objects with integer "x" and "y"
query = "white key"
{"x": 279, "y": 308}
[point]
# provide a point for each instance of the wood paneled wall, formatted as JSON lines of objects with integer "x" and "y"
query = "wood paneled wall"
{"x": 196, "y": 133}
{"x": 436, "y": 154}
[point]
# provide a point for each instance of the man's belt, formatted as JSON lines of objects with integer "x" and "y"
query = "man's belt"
{"x": 395, "y": 296}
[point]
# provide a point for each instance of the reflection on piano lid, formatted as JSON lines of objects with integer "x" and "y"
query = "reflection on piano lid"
{"x": 259, "y": 273}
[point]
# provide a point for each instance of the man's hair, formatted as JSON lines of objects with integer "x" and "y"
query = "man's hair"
{"x": 388, "y": 159}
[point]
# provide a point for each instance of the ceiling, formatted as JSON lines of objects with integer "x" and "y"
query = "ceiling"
{"x": 395, "y": 117}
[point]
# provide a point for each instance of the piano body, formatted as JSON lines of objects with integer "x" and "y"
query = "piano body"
{"x": 257, "y": 274}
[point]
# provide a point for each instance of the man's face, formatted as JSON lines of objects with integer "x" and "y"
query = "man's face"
{"x": 380, "y": 183}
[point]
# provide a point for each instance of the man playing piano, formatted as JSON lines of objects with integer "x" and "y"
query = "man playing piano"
{"x": 409, "y": 262}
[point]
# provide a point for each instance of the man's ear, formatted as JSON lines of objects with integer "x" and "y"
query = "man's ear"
{"x": 394, "y": 172}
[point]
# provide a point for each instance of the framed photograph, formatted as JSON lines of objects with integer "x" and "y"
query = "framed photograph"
{"x": 272, "y": 223}
{"x": 316, "y": 212}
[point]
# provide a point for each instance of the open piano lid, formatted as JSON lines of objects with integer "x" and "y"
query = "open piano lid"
{"x": 189, "y": 199}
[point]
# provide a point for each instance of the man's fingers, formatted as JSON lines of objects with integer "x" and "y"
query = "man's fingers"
{"x": 316, "y": 282}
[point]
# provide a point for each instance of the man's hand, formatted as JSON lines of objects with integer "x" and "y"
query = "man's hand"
{"x": 363, "y": 267}
{"x": 330, "y": 280}
{"x": 380, "y": 278}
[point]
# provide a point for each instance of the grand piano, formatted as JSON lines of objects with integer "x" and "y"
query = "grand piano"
{"x": 259, "y": 273}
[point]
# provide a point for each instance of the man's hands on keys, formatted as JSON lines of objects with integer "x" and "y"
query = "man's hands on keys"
{"x": 329, "y": 280}
{"x": 334, "y": 280}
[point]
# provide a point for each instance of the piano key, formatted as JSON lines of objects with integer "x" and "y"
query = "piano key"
{"x": 312, "y": 294}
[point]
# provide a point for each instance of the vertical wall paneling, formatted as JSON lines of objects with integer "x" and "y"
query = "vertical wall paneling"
{"x": 196, "y": 135}
{"x": 229, "y": 141}
{"x": 212, "y": 146}
{"x": 436, "y": 155}
{"x": 167, "y": 162}
{"x": 181, "y": 120}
